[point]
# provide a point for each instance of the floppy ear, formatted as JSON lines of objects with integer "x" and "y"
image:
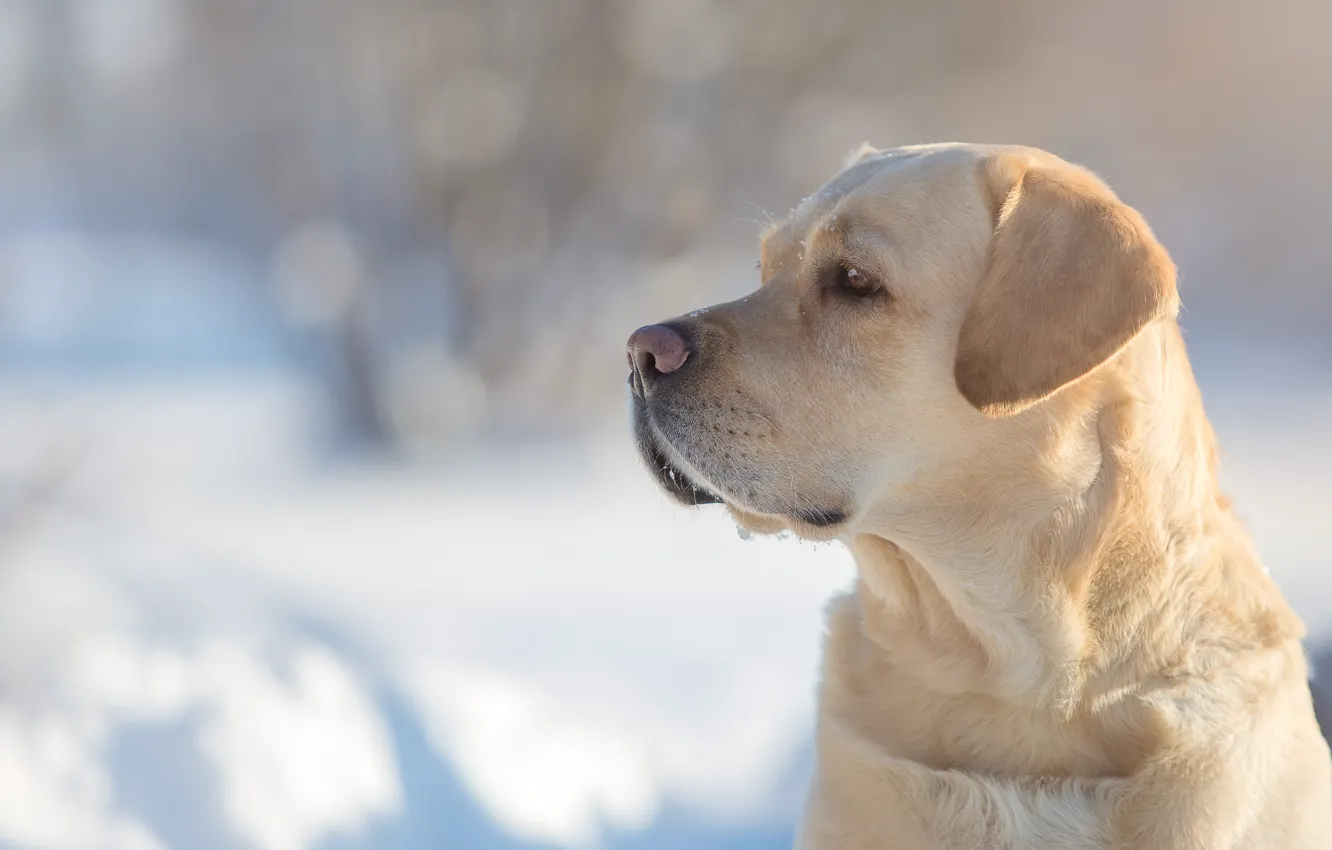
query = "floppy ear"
{"x": 1073, "y": 275}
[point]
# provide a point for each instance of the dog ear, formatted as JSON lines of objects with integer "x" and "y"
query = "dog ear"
{"x": 1073, "y": 275}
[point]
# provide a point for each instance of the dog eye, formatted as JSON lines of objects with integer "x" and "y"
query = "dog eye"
{"x": 855, "y": 281}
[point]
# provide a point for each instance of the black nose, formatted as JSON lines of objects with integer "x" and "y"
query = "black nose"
{"x": 654, "y": 351}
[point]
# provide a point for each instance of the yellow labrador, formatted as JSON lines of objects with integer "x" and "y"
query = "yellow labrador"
{"x": 964, "y": 362}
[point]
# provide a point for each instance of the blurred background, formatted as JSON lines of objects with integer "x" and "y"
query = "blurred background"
{"x": 320, "y": 526}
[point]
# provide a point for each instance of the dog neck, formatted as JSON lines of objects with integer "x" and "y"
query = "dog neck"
{"x": 1082, "y": 550}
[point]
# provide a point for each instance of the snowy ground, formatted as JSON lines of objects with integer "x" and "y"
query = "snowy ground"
{"x": 263, "y": 628}
{"x": 210, "y": 638}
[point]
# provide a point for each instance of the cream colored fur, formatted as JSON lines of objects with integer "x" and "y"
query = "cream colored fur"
{"x": 1061, "y": 636}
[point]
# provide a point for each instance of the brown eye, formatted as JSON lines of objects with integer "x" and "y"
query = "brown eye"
{"x": 855, "y": 281}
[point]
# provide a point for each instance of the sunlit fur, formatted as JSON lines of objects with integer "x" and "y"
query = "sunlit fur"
{"x": 1061, "y": 636}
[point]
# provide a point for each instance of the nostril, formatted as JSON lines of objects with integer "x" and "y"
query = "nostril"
{"x": 656, "y": 350}
{"x": 647, "y": 364}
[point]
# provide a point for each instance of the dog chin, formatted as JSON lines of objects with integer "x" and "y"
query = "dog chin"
{"x": 756, "y": 523}
{"x": 814, "y": 526}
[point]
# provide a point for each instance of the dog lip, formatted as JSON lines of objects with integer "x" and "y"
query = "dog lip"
{"x": 821, "y": 517}
{"x": 676, "y": 482}
{"x": 672, "y": 479}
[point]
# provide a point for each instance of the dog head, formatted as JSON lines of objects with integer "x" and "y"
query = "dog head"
{"x": 909, "y": 311}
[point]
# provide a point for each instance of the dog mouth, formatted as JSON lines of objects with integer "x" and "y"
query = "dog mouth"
{"x": 674, "y": 480}
{"x": 679, "y": 485}
{"x": 657, "y": 454}
{"x": 685, "y": 490}
{"x": 821, "y": 517}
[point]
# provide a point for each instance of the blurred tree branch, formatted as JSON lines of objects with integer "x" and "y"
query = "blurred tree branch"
{"x": 35, "y": 496}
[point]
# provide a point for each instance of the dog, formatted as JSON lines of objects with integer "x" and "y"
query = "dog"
{"x": 964, "y": 362}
